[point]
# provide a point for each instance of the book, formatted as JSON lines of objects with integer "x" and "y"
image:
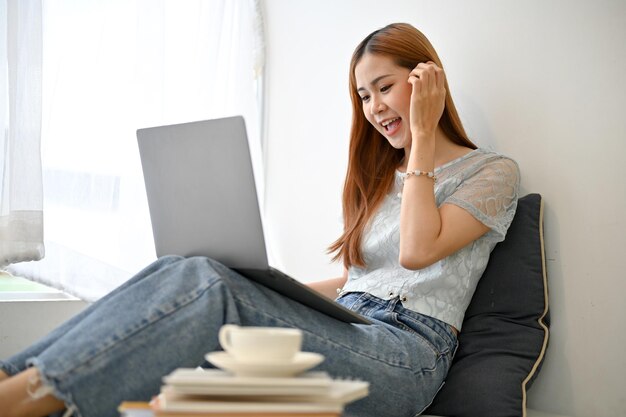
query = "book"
{"x": 169, "y": 414}
{"x": 253, "y": 414}
{"x": 214, "y": 393}
{"x": 136, "y": 409}
{"x": 216, "y": 382}
{"x": 338, "y": 392}
{"x": 144, "y": 409}
{"x": 163, "y": 408}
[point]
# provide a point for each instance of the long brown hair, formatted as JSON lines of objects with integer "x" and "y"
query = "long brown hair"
{"x": 372, "y": 160}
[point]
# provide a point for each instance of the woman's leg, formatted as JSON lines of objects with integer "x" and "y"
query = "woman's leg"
{"x": 120, "y": 351}
{"x": 171, "y": 319}
{"x": 14, "y": 394}
{"x": 403, "y": 355}
{"x": 16, "y": 401}
{"x": 17, "y": 363}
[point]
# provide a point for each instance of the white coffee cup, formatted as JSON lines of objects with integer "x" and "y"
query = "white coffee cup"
{"x": 260, "y": 344}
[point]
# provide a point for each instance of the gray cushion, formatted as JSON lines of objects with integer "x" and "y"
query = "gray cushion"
{"x": 505, "y": 331}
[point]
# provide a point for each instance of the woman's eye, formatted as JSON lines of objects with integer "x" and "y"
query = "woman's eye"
{"x": 365, "y": 98}
{"x": 385, "y": 88}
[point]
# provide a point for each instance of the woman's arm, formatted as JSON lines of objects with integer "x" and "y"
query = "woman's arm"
{"x": 329, "y": 287}
{"x": 429, "y": 233}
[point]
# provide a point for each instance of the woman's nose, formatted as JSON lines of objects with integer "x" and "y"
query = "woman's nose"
{"x": 377, "y": 105}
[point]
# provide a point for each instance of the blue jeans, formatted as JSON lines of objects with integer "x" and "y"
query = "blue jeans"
{"x": 168, "y": 316}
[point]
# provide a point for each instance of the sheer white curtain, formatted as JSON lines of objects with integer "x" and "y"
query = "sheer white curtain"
{"x": 111, "y": 67}
{"x": 21, "y": 196}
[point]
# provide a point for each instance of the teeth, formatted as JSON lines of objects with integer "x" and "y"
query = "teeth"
{"x": 386, "y": 123}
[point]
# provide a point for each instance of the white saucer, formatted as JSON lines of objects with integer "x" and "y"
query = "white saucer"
{"x": 300, "y": 363}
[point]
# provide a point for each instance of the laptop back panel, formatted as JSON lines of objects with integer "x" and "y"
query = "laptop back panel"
{"x": 202, "y": 199}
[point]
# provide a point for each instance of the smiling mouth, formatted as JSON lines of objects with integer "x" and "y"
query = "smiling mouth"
{"x": 391, "y": 124}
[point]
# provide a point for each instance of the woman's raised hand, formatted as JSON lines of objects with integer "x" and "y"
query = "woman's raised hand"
{"x": 427, "y": 98}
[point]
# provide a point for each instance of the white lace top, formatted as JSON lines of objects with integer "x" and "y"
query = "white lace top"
{"x": 483, "y": 183}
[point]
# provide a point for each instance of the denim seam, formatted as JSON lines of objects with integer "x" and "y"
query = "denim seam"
{"x": 431, "y": 400}
{"x": 446, "y": 339}
{"x": 358, "y": 299}
{"x": 374, "y": 299}
{"x": 350, "y": 348}
{"x": 404, "y": 327}
{"x": 441, "y": 328}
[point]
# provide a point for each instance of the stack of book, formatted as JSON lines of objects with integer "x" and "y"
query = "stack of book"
{"x": 216, "y": 393}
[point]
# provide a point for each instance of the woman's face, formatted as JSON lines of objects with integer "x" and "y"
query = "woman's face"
{"x": 385, "y": 93}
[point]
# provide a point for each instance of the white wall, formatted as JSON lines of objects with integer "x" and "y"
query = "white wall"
{"x": 26, "y": 317}
{"x": 541, "y": 81}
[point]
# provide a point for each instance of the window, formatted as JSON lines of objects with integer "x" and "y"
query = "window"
{"x": 109, "y": 68}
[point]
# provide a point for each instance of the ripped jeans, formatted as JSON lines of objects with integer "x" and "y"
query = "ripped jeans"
{"x": 168, "y": 316}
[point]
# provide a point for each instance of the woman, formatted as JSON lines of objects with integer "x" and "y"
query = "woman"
{"x": 423, "y": 208}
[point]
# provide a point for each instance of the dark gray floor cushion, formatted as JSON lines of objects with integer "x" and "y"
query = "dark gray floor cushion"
{"x": 505, "y": 331}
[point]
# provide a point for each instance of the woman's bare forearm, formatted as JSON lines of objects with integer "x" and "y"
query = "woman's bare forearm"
{"x": 329, "y": 287}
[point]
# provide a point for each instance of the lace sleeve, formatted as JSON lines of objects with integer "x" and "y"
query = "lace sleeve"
{"x": 490, "y": 194}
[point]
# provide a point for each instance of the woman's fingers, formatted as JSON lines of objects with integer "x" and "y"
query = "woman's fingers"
{"x": 415, "y": 82}
{"x": 427, "y": 97}
{"x": 438, "y": 77}
{"x": 430, "y": 76}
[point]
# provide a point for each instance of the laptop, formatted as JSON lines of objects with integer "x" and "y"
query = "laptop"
{"x": 203, "y": 202}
